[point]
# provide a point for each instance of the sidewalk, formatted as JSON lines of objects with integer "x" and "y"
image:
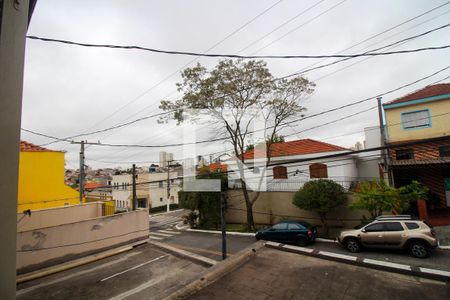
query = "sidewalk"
{"x": 273, "y": 274}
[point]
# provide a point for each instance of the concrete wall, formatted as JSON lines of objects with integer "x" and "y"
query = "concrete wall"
{"x": 51, "y": 245}
{"x": 58, "y": 216}
{"x": 13, "y": 27}
{"x": 272, "y": 206}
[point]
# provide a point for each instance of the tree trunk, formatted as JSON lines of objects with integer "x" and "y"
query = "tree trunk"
{"x": 249, "y": 206}
{"x": 323, "y": 219}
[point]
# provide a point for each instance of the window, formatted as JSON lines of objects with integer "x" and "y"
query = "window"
{"x": 416, "y": 119}
{"x": 404, "y": 154}
{"x": 280, "y": 172}
{"x": 318, "y": 171}
{"x": 393, "y": 226}
{"x": 374, "y": 227}
{"x": 160, "y": 184}
{"x": 412, "y": 226}
{"x": 444, "y": 151}
{"x": 161, "y": 199}
{"x": 295, "y": 227}
{"x": 280, "y": 226}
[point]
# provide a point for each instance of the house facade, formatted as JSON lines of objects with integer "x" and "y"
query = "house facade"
{"x": 41, "y": 179}
{"x": 418, "y": 129}
{"x": 151, "y": 190}
{"x": 287, "y": 174}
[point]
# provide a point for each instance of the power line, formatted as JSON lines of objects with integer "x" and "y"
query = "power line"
{"x": 281, "y": 25}
{"x": 381, "y": 33}
{"x": 188, "y": 63}
{"x": 368, "y": 52}
{"x": 215, "y": 55}
{"x": 288, "y": 122}
{"x": 373, "y": 36}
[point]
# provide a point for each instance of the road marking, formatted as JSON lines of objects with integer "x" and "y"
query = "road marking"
{"x": 133, "y": 268}
{"x": 156, "y": 238}
{"x": 169, "y": 232}
{"x": 60, "y": 279}
{"x": 386, "y": 264}
{"x": 303, "y": 249}
{"x": 435, "y": 272}
{"x": 337, "y": 255}
{"x": 160, "y": 234}
{"x": 219, "y": 253}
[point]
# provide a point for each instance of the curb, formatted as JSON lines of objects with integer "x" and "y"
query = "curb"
{"x": 365, "y": 262}
{"x": 185, "y": 254}
{"x": 216, "y": 272}
{"x": 75, "y": 263}
{"x": 320, "y": 240}
{"x": 182, "y": 227}
{"x": 163, "y": 213}
{"x": 220, "y": 232}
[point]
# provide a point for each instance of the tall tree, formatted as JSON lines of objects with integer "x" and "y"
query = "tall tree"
{"x": 233, "y": 94}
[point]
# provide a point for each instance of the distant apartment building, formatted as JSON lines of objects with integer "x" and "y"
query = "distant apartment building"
{"x": 41, "y": 179}
{"x": 151, "y": 190}
{"x": 422, "y": 117}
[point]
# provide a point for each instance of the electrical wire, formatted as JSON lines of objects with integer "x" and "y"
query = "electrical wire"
{"x": 236, "y": 56}
{"x": 287, "y": 122}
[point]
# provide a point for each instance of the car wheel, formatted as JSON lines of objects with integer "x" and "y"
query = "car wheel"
{"x": 353, "y": 245}
{"x": 419, "y": 249}
{"x": 301, "y": 241}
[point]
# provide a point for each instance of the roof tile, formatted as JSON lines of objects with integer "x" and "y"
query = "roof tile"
{"x": 298, "y": 147}
{"x": 428, "y": 91}
{"x": 29, "y": 147}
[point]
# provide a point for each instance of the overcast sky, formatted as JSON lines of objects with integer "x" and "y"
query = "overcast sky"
{"x": 70, "y": 90}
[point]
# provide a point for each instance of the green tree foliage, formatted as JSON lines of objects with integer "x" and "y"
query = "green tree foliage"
{"x": 377, "y": 197}
{"x": 230, "y": 97}
{"x": 321, "y": 196}
{"x": 207, "y": 204}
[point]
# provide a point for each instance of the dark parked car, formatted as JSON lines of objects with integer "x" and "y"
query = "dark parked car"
{"x": 296, "y": 232}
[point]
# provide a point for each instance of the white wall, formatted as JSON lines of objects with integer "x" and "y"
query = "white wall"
{"x": 341, "y": 169}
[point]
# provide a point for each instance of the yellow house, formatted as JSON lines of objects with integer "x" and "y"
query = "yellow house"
{"x": 420, "y": 115}
{"x": 41, "y": 179}
{"x": 418, "y": 131}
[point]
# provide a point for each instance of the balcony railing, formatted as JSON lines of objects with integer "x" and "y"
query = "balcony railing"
{"x": 288, "y": 185}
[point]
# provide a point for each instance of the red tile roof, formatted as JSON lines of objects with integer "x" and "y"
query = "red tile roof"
{"x": 217, "y": 166}
{"x": 299, "y": 147}
{"x": 428, "y": 91}
{"x": 29, "y": 147}
{"x": 92, "y": 185}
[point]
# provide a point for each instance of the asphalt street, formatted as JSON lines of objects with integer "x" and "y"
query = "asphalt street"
{"x": 144, "y": 272}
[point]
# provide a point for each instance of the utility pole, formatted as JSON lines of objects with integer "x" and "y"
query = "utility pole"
{"x": 81, "y": 179}
{"x": 134, "y": 187}
{"x": 223, "y": 226}
{"x": 168, "y": 185}
{"x": 384, "y": 153}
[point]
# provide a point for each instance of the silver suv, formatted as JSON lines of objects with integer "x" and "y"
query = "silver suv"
{"x": 392, "y": 232}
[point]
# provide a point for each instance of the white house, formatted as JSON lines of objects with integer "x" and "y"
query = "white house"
{"x": 292, "y": 167}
